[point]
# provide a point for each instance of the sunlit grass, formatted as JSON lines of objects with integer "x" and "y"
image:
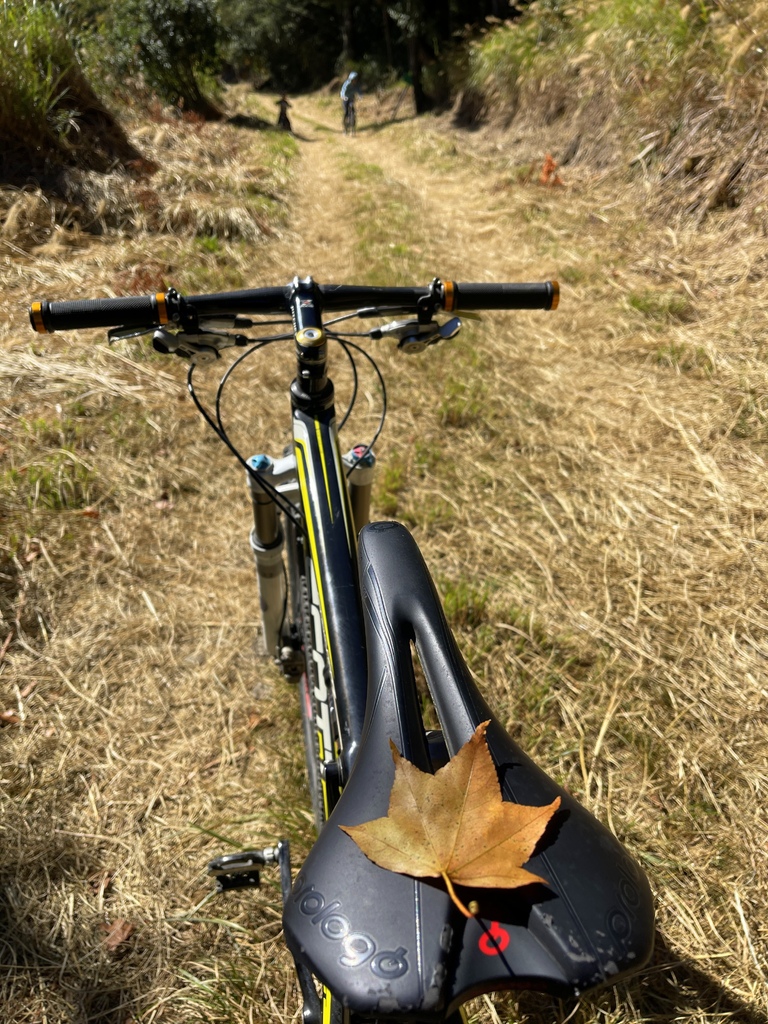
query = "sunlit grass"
{"x": 588, "y": 487}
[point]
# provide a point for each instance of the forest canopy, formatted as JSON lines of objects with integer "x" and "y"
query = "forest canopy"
{"x": 293, "y": 45}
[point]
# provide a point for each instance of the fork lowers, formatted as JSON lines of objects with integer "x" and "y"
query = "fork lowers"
{"x": 267, "y": 546}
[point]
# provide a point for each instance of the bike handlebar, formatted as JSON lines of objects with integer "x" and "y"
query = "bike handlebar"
{"x": 130, "y": 311}
{"x": 170, "y": 307}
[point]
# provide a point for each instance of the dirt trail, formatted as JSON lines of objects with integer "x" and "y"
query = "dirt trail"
{"x": 448, "y": 209}
{"x": 590, "y": 467}
{"x": 320, "y": 229}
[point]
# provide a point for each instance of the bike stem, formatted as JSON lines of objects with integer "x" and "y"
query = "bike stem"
{"x": 311, "y": 391}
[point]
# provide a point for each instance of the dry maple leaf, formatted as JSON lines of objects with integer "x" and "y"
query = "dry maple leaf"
{"x": 548, "y": 172}
{"x": 117, "y": 933}
{"x": 454, "y": 824}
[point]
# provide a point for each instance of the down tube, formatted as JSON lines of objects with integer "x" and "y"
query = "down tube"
{"x": 331, "y": 537}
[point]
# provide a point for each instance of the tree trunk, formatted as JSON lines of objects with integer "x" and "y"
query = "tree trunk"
{"x": 414, "y": 64}
{"x": 387, "y": 34}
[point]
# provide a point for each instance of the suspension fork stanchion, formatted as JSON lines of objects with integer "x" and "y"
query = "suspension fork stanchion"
{"x": 267, "y": 546}
{"x": 361, "y": 462}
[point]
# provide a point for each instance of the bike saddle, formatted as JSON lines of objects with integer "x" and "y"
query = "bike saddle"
{"x": 385, "y": 943}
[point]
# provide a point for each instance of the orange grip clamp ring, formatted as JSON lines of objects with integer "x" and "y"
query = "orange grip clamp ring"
{"x": 162, "y": 308}
{"x": 449, "y": 296}
{"x": 36, "y": 309}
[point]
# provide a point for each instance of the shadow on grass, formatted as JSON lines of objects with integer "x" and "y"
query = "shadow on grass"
{"x": 94, "y": 141}
{"x": 258, "y": 124}
{"x": 673, "y": 987}
{"x": 52, "y": 970}
{"x": 374, "y": 126}
{"x": 670, "y": 990}
{"x": 59, "y": 968}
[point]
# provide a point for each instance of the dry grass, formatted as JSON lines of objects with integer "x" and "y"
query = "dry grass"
{"x": 196, "y": 179}
{"x": 604, "y": 465}
{"x": 675, "y": 91}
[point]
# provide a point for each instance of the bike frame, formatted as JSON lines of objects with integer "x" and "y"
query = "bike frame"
{"x": 323, "y": 553}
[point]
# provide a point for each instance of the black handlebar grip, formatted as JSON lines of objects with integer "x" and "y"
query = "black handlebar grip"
{"x": 539, "y": 295}
{"x": 129, "y": 311}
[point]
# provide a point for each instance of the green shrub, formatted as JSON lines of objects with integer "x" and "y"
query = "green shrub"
{"x": 35, "y": 62}
{"x": 635, "y": 44}
{"x": 648, "y": 44}
{"x": 499, "y": 58}
{"x": 49, "y": 114}
{"x": 173, "y": 44}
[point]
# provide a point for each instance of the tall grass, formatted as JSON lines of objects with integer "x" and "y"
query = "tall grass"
{"x": 629, "y": 48}
{"x": 35, "y": 58}
{"x": 683, "y": 84}
{"x": 50, "y": 115}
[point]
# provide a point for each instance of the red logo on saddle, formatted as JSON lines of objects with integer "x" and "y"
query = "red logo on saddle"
{"x": 494, "y": 940}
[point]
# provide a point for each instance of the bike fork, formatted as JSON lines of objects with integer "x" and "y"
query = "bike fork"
{"x": 360, "y": 462}
{"x": 267, "y": 542}
{"x": 267, "y": 537}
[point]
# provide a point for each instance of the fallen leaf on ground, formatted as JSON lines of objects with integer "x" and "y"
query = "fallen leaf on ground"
{"x": 548, "y": 172}
{"x": 117, "y": 933}
{"x": 455, "y": 825}
{"x": 255, "y": 720}
{"x": 33, "y": 550}
{"x": 100, "y": 882}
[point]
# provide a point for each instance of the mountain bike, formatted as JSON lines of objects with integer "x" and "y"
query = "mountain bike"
{"x": 349, "y": 116}
{"x": 345, "y": 603}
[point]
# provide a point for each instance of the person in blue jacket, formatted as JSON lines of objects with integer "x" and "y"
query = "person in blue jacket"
{"x": 350, "y": 90}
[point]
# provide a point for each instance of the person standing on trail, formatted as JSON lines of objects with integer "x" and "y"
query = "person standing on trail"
{"x": 349, "y": 92}
{"x": 282, "y": 118}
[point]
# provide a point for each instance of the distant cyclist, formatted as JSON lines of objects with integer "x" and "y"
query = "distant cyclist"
{"x": 349, "y": 93}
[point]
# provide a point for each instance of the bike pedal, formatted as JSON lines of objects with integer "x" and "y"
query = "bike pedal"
{"x": 241, "y": 870}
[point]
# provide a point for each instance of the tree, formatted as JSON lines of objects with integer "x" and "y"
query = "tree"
{"x": 174, "y": 44}
{"x": 294, "y": 44}
{"x": 415, "y": 26}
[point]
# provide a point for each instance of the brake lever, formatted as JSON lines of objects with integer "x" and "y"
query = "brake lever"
{"x": 414, "y": 337}
{"x": 198, "y": 347}
{"x": 450, "y": 328}
{"x": 123, "y": 333}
